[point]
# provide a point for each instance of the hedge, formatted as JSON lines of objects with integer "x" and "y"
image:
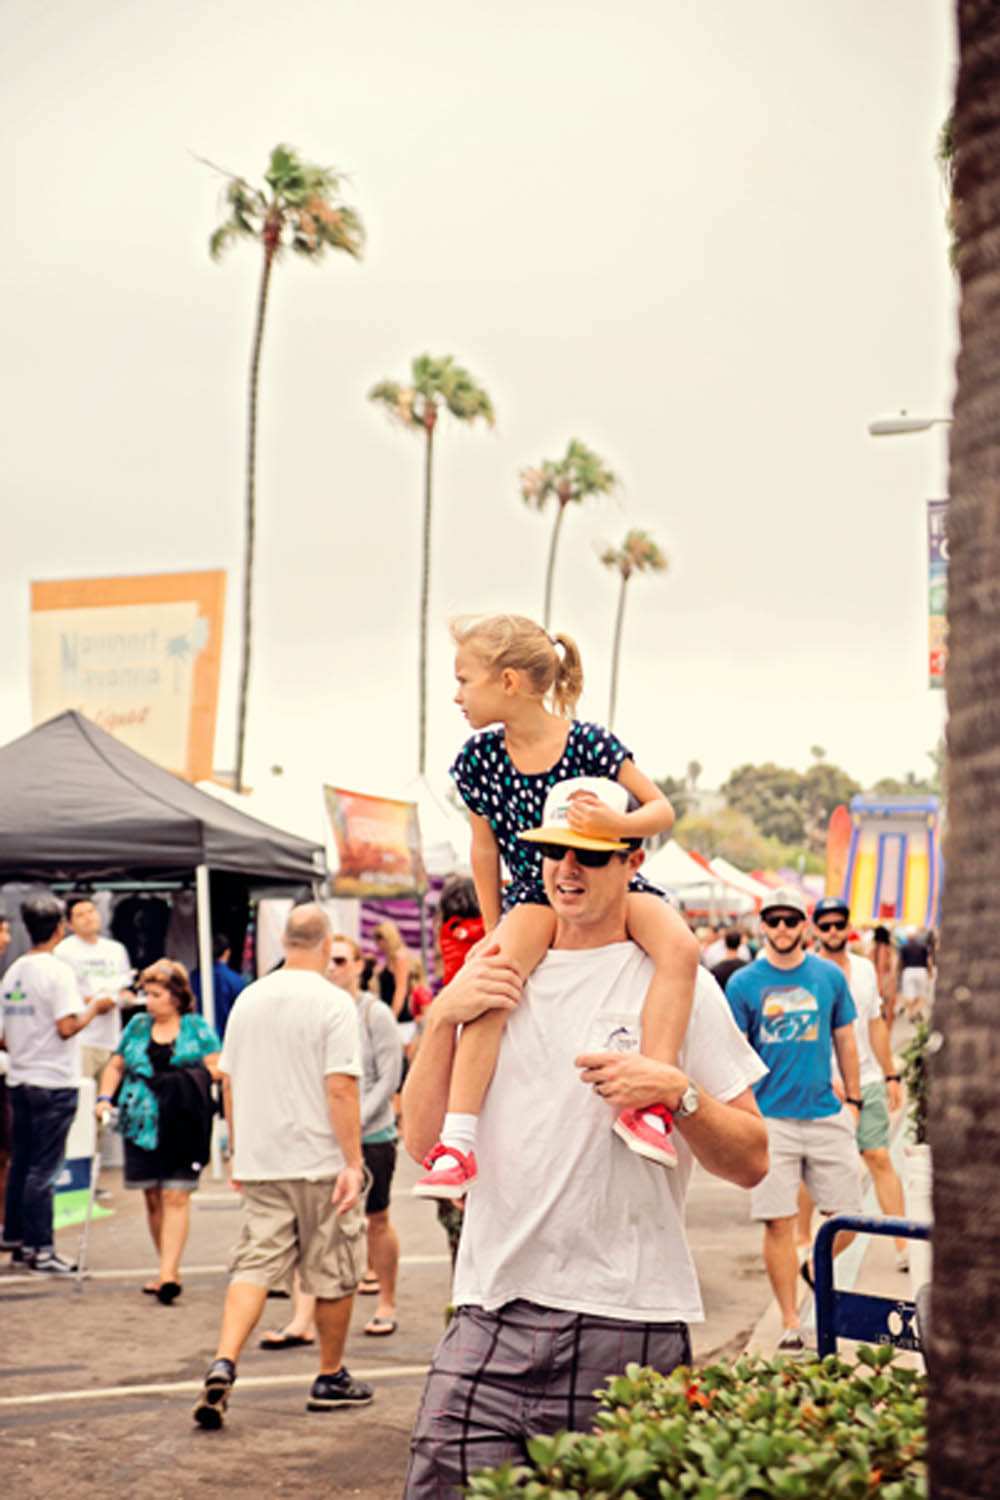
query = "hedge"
{"x": 756, "y": 1429}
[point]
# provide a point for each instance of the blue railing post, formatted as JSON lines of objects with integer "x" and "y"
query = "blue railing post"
{"x": 850, "y": 1314}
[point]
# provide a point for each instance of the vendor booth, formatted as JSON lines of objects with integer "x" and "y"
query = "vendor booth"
{"x": 80, "y": 810}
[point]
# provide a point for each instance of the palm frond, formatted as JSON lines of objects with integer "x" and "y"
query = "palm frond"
{"x": 398, "y": 401}
{"x": 302, "y": 211}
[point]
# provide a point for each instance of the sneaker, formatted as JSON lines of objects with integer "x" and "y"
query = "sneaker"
{"x": 792, "y": 1343}
{"x": 7, "y": 1245}
{"x": 450, "y": 1173}
{"x": 211, "y": 1405}
{"x": 331, "y": 1391}
{"x": 647, "y": 1133}
{"x": 21, "y": 1257}
{"x": 48, "y": 1263}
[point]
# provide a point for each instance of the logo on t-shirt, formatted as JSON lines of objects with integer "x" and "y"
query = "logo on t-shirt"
{"x": 789, "y": 1016}
{"x": 15, "y": 994}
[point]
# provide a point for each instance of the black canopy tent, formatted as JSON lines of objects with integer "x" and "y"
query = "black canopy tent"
{"x": 77, "y": 805}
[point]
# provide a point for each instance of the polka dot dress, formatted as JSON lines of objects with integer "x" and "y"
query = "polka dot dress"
{"x": 510, "y": 800}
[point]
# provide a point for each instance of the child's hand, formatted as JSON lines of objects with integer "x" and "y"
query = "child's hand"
{"x": 587, "y": 814}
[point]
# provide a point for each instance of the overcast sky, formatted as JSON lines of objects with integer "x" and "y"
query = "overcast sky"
{"x": 705, "y": 237}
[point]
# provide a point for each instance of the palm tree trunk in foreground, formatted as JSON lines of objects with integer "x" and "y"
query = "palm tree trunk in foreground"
{"x": 616, "y": 652}
{"x": 965, "y": 1100}
{"x": 425, "y": 589}
{"x": 251, "y": 515}
{"x": 551, "y": 568}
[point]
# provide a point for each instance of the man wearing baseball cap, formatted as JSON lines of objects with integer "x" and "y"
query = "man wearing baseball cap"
{"x": 881, "y": 1089}
{"x": 795, "y": 1009}
{"x": 573, "y": 1258}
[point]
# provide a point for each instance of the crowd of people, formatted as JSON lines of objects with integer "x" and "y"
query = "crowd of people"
{"x": 585, "y": 1047}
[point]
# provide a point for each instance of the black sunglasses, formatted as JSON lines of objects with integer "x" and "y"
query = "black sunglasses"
{"x": 341, "y": 960}
{"x": 781, "y": 919}
{"x": 837, "y": 925}
{"x": 591, "y": 859}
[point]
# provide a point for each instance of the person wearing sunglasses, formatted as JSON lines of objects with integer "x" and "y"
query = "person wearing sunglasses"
{"x": 881, "y": 1087}
{"x": 796, "y": 1011}
{"x": 573, "y": 1258}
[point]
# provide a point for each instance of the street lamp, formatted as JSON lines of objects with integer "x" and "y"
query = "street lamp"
{"x": 896, "y": 426}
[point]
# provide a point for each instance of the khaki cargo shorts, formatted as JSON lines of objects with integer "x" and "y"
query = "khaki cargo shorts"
{"x": 821, "y": 1153}
{"x": 292, "y": 1224}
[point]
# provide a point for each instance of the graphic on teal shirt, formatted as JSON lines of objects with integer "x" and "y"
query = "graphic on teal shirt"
{"x": 790, "y": 1015}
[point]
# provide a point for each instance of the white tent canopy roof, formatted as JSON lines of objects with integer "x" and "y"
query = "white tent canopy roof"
{"x": 732, "y": 875}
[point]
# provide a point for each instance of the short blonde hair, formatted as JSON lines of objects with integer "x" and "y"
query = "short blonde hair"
{"x": 514, "y": 641}
{"x": 390, "y": 936}
{"x": 352, "y": 943}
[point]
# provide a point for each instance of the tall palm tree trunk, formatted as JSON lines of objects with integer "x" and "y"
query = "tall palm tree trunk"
{"x": 964, "y": 1101}
{"x": 425, "y": 589}
{"x": 551, "y": 568}
{"x": 250, "y": 530}
{"x": 616, "y": 651}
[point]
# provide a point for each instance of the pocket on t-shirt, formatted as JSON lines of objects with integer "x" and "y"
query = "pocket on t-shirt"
{"x": 614, "y": 1031}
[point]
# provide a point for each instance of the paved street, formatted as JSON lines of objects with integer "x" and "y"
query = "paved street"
{"x": 65, "y": 1427}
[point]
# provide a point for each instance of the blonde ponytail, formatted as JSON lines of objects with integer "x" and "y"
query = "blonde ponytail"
{"x": 519, "y": 643}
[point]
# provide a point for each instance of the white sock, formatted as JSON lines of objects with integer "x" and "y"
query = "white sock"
{"x": 458, "y": 1131}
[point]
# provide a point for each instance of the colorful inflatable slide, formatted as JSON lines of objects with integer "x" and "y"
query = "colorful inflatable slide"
{"x": 884, "y": 857}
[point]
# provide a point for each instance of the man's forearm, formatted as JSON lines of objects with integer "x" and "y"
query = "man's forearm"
{"x": 343, "y": 1102}
{"x": 847, "y": 1060}
{"x": 729, "y": 1140}
{"x": 425, "y": 1093}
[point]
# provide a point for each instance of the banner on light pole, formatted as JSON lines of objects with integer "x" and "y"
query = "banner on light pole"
{"x": 937, "y": 590}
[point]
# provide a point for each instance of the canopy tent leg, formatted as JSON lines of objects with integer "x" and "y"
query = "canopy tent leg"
{"x": 206, "y": 959}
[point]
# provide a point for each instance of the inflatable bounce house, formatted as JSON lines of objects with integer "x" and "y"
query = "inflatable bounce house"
{"x": 884, "y": 857}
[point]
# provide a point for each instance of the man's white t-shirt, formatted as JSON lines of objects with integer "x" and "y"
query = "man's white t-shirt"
{"x": 38, "y": 990}
{"x": 563, "y": 1213}
{"x": 101, "y": 968}
{"x": 863, "y": 983}
{"x": 286, "y": 1033}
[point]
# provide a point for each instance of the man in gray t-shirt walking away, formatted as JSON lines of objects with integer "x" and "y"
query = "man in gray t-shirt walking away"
{"x": 290, "y": 1066}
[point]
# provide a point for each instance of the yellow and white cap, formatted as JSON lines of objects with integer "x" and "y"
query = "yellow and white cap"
{"x": 555, "y": 827}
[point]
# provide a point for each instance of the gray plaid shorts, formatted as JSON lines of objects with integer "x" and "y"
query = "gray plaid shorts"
{"x": 498, "y": 1378}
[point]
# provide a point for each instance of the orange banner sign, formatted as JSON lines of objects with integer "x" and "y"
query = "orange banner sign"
{"x": 378, "y": 845}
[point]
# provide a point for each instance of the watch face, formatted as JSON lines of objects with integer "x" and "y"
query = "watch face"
{"x": 689, "y": 1101}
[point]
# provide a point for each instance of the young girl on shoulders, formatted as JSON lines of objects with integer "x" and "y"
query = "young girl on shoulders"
{"x": 509, "y": 670}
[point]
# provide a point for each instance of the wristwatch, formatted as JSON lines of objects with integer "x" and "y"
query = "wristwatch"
{"x": 690, "y": 1100}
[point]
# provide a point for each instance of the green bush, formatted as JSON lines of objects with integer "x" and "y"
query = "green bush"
{"x": 756, "y": 1429}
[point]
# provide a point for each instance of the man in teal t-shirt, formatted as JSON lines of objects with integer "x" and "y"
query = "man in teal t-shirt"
{"x": 792, "y": 1007}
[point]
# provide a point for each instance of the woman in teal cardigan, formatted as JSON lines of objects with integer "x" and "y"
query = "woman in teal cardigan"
{"x": 170, "y": 1036}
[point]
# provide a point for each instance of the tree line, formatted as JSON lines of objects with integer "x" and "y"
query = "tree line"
{"x": 774, "y": 816}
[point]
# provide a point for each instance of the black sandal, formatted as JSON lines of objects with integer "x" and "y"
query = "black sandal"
{"x": 168, "y": 1291}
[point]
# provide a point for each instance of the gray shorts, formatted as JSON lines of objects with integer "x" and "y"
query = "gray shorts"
{"x": 821, "y": 1153}
{"x": 498, "y": 1378}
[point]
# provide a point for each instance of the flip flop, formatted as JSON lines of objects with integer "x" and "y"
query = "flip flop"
{"x": 805, "y": 1271}
{"x": 368, "y": 1286}
{"x": 285, "y": 1341}
{"x": 151, "y": 1289}
{"x": 380, "y": 1328}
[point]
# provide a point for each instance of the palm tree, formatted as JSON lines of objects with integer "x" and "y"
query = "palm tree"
{"x": 435, "y": 384}
{"x": 638, "y": 553}
{"x": 964, "y": 1103}
{"x": 299, "y": 207}
{"x": 574, "y": 478}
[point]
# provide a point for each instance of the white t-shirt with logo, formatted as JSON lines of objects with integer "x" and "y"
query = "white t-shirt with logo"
{"x": 38, "y": 990}
{"x": 286, "y": 1033}
{"x": 863, "y": 983}
{"x": 101, "y": 968}
{"x": 563, "y": 1213}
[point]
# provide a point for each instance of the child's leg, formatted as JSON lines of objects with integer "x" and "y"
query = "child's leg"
{"x": 657, "y": 929}
{"x": 524, "y": 936}
{"x": 664, "y": 936}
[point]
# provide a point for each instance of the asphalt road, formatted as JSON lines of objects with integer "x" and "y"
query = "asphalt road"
{"x": 68, "y": 1428}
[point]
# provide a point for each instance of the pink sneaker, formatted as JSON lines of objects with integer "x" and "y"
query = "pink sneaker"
{"x": 635, "y": 1128}
{"x": 446, "y": 1182}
